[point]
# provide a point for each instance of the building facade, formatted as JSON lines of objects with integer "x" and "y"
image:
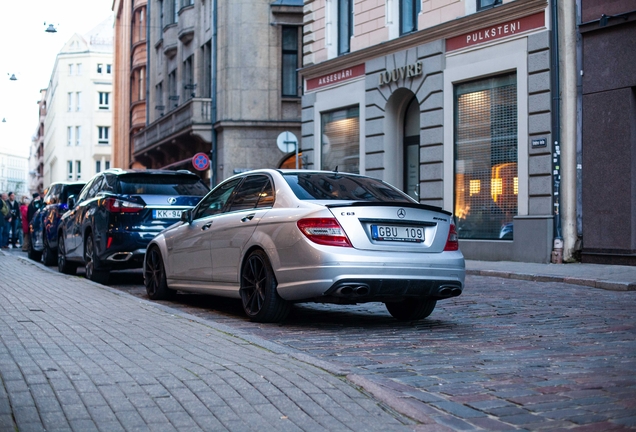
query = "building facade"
{"x": 222, "y": 80}
{"x": 78, "y": 121}
{"x": 449, "y": 100}
{"x": 36, "y": 151}
{"x": 608, "y": 93}
{"x": 14, "y": 174}
{"x": 129, "y": 78}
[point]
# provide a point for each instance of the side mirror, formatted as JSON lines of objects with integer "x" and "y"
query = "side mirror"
{"x": 70, "y": 202}
{"x": 186, "y": 216}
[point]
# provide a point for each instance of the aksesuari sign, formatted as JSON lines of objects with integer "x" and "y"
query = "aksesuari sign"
{"x": 335, "y": 77}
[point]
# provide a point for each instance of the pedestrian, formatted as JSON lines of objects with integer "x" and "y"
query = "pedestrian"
{"x": 24, "y": 209}
{"x": 14, "y": 211}
{"x": 4, "y": 224}
{"x": 34, "y": 206}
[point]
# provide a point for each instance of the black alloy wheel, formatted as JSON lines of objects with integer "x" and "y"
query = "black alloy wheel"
{"x": 260, "y": 299}
{"x": 411, "y": 309}
{"x": 48, "y": 254}
{"x": 155, "y": 276}
{"x": 63, "y": 265}
{"x": 93, "y": 272}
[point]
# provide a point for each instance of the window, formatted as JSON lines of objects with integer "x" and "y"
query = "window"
{"x": 70, "y": 101}
{"x": 78, "y": 135}
{"x": 486, "y": 4}
{"x": 98, "y": 166}
{"x": 70, "y": 69}
{"x": 290, "y": 61}
{"x": 79, "y": 69}
{"x": 69, "y": 135}
{"x": 188, "y": 78}
{"x": 187, "y": 3}
{"x": 254, "y": 192}
{"x": 345, "y": 25}
{"x": 102, "y": 135}
{"x": 100, "y": 68}
{"x": 108, "y": 68}
{"x": 486, "y": 182}
{"x": 142, "y": 84}
{"x": 173, "y": 97}
{"x": 411, "y": 152}
{"x": 159, "y": 98}
{"x": 69, "y": 170}
{"x": 175, "y": 10}
{"x": 409, "y": 10}
{"x": 78, "y": 170}
{"x": 78, "y": 101}
{"x": 340, "y": 145}
{"x": 142, "y": 25}
{"x": 107, "y": 164}
{"x": 104, "y": 100}
{"x": 215, "y": 202}
{"x": 160, "y": 28}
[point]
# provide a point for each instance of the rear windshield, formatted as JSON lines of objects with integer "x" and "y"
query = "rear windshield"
{"x": 161, "y": 185}
{"x": 334, "y": 186}
{"x": 70, "y": 190}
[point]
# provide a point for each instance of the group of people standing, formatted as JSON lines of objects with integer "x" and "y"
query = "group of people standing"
{"x": 14, "y": 219}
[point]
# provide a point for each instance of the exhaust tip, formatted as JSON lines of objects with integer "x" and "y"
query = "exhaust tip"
{"x": 445, "y": 292}
{"x": 362, "y": 290}
{"x": 456, "y": 291}
{"x": 346, "y": 290}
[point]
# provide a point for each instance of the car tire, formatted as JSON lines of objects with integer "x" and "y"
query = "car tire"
{"x": 48, "y": 254}
{"x": 93, "y": 272}
{"x": 64, "y": 265}
{"x": 411, "y": 309}
{"x": 33, "y": 254}
{"x": 259, "y": 296}
{"x": 155, "y": 276}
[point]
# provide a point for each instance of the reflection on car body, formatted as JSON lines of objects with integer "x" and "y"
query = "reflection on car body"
{"x": 276, "y": 237}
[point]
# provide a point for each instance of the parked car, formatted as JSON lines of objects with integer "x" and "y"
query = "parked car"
{"x": 276, "y": 237}
{"x": 117, "y": 213}
{"x": 44, "y": 223}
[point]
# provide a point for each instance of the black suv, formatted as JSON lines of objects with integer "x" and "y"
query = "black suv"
{"x": 117, "y": 213}
{"x": 43, "y": 225}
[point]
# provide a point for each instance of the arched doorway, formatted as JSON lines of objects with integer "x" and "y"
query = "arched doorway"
{"x": 411, "y": 150}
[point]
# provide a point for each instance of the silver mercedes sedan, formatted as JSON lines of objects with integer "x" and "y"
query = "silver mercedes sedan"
{"x": 277, "y": 237}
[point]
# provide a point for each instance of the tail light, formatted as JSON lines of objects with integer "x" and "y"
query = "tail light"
{"x": 324, "y": 231}
{"x": 452, "y": 243}
{"x": 115, "y": 205}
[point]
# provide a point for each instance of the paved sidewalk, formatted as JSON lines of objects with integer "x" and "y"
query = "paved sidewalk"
{"x": 79, "y": 356}
{"x": 610, "y": 277}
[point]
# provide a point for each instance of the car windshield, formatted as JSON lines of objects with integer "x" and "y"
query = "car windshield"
{"x": 161, "y": 185}
{"x": 335, "y": 186}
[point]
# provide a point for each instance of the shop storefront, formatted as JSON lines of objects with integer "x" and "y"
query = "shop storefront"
{"x": 461, "y": 121}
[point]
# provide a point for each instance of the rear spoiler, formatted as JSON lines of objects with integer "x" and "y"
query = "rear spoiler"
{"x": 391, "y": 204}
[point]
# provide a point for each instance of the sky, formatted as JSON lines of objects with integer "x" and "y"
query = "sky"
{"x": 27, "y": 51}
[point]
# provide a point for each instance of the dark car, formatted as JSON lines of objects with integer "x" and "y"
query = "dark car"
{"x": 43, "y": 225}
{"x": 117, "y": 213}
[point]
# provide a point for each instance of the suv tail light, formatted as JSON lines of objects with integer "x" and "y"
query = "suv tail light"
{"x": 324, "y": 231}
{"x": 452, "y": 243}
{"x": 115, "y": 205}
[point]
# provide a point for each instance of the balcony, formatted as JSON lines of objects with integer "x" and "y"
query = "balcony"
{"x": 170, "y": 40}
{"x": 193, "y": 117}
{"x": 139, "y": 55}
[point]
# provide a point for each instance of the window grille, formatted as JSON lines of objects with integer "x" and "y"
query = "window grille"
{"x": 486, "y": 182}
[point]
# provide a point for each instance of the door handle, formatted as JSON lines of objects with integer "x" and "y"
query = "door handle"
{"x": 206, "y": 226}
{"x": 248, "y": 217}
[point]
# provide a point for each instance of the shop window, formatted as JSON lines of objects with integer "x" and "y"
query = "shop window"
{"x": 411, "y": 164}
{"x": 486, "y": 179}
{"x": 340, "y": 147}
{"x": 290, "y": 61}
{"x": 345, "y": 25}
{"x": 487, "y": 4}
{"x": 409, "y": 10}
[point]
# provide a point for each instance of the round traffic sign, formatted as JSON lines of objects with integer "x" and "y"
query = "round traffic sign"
{"x": 201, "y": 161}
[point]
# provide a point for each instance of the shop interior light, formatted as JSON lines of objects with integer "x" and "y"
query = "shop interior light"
{"x": 474, "y": 187}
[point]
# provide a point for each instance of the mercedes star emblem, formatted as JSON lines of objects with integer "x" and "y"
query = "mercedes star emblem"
{"x": 401, "y": 213}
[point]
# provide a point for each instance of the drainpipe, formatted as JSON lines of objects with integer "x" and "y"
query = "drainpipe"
{"x": 568, "y": 116}
{"x": 557, "y": 251}
{"x": 213, "y": 164}
{"x": 147, "y": 58}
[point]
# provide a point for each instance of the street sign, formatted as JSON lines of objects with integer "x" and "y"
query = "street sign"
{"x": 201, "y": 161}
